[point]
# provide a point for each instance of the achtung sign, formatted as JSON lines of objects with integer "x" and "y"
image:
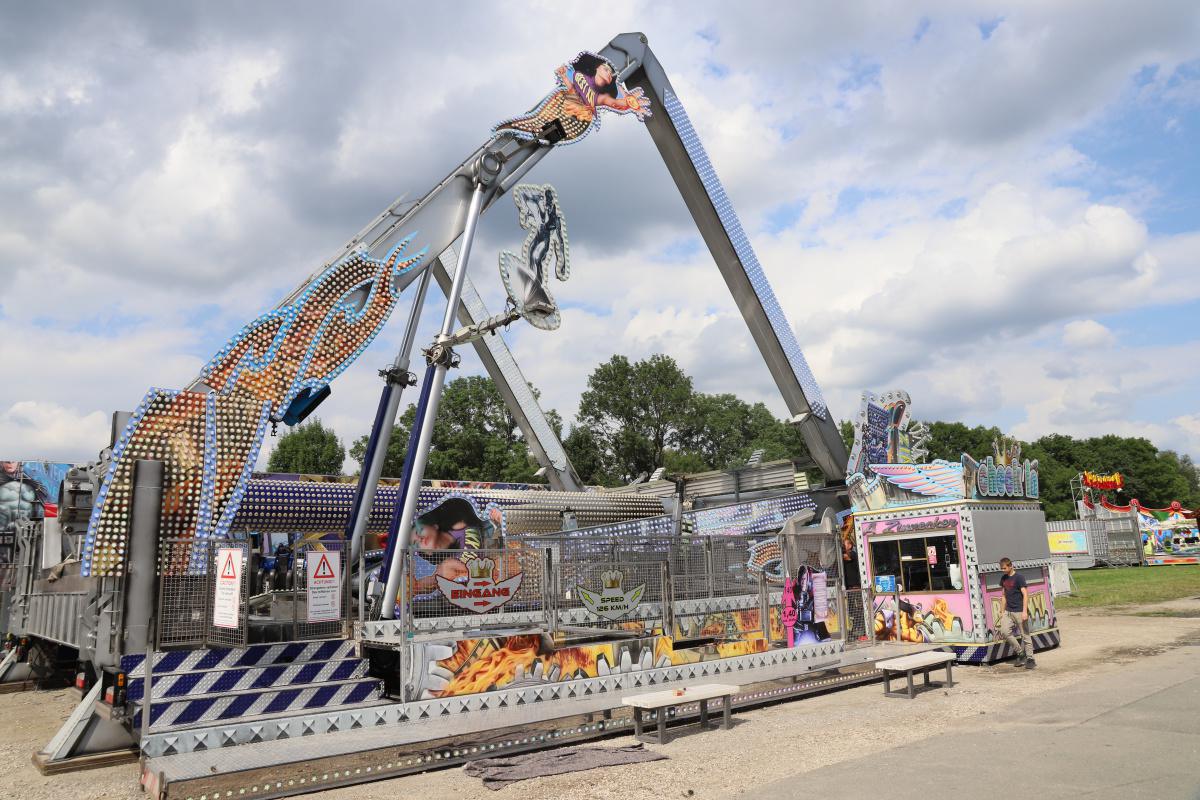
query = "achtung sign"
{"x": 324, "y": 571}
{"x": 227, "y": 596}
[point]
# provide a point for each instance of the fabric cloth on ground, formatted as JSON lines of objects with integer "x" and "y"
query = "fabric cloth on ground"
{"x": 496, "y": 773}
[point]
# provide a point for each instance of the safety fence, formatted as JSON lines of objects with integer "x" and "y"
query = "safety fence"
{"x": 216, "y": 593}
{"x": 688, "y": 587}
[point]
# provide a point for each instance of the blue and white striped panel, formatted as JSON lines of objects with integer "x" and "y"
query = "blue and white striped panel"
{"x": 259, "y": 655}
{"x": 192, "y": 684}
{"x": 239, "y": 706}
{"x": 745, "y": 253}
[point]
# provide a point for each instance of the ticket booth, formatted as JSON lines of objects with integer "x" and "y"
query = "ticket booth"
{"x": 934, "y": 574}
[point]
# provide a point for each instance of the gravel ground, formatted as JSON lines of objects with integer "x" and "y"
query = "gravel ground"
{"x": 767, "y": 744}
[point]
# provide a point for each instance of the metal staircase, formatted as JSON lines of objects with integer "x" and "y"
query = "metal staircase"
{"x": 216, "y": 684}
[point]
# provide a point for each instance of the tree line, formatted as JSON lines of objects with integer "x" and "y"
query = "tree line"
{"x": 637, "y": 416}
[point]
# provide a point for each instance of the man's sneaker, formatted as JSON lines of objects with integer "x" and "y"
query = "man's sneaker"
{"x": 1021, "y": 660}
{"x": 1030, "y": 663}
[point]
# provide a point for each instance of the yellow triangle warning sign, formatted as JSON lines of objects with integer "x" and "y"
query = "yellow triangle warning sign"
{"x": 229, "y": 569}
{"x": 324, "y": 569}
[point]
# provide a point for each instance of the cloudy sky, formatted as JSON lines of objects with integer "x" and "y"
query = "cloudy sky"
{"x": 992, "y": 205}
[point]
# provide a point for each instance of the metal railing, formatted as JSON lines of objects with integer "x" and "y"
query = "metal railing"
{"x": 480, "y": 585}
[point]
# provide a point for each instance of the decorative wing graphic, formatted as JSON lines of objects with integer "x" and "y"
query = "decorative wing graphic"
{"x": 590, "y": 599}
{"x": 938, "y": 479}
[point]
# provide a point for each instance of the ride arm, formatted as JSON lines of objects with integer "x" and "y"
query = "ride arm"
{"x": 697, "y": 181}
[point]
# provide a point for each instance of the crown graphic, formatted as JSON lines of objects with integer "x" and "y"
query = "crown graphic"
{"x": 611, "y": 579}
{"x": 480, "y": 568}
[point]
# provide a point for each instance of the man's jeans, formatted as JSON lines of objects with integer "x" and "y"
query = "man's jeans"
{"x": 1011, "y": 627}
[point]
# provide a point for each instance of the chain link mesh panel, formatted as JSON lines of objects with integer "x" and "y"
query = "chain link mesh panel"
{"x": 618, "y": 595}
{"x": 445, "y": 584}
{"x": 328, "y": 558}
{"x": 182, "y": 598}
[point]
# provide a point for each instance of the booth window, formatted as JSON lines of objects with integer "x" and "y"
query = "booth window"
{"x": 909, "y": 560}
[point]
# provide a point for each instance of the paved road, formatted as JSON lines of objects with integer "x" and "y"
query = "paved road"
{"x": 1130, "y": 734}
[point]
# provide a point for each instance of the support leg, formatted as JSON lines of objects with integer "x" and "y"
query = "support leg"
{"x": 949, "y": 677}
{"x": 662, "y": 725}
{"x": 926, "y": 674}
{"x": 637, "y": 721}
{"x": 727, "y": 713}
{"x": 911, "y": 693}
{"x": 887, "y": 682}
{"x": 704, "y": 713}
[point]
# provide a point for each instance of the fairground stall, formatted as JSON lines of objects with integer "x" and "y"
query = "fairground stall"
{"x": 930, "y": 536}
{"x": 1169, "y": 536}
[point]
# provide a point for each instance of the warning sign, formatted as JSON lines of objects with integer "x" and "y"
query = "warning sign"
{"x": 324, "y": 586}
{"x": 227, "y": 596}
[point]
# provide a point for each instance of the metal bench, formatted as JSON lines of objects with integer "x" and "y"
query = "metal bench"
{"x": 917, "y": 662}
{"x": 659, "y": 702}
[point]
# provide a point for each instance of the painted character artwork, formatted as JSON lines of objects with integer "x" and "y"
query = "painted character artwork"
{"x": 916, "y": 624}
{"x": 586, "y": 86}
{"x": 447, "y": 537}
{"x": 27, "y": 491}
{"x": 805, "y": 607}
{"x": 543, "y": 253}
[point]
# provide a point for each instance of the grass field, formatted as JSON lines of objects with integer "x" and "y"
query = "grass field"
{"x": 1131, "y": 586}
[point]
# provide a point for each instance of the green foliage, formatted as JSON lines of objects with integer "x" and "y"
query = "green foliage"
{"x": 475, "y": 438}
{"x": 633, "y": 412}
{"x": 636, "y": 417}
{"x": 846, "y": 429}
{"x": 311, "y": 448}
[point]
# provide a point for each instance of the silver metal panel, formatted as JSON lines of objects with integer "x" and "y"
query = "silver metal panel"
{"x": 1016, "y": 533}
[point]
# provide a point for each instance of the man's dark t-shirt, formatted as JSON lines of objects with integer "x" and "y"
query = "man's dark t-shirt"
{"x": 1013, "y": 584}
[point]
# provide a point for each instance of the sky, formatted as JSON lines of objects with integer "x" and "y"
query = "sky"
{"x": 992, "y": 205}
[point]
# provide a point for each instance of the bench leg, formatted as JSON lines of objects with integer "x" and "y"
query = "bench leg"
{"x": 887, "y": 682}
{"x": 727, "y": 713}
{"x": 662, "y": 725}
{"x": 926, "y": 674}
{"x": 911, "y": 693}
{"x": 637, "y": 721}
{"x": 949, "y": 677}
{"x": 704, "y": 713}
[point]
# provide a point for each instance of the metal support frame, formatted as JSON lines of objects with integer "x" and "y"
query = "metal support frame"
{"x": 85, "y": 733}
{"x": 395, "y": 380}
{"x": 440, "y": 359}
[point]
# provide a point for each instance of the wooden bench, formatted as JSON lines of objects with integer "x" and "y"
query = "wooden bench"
{"x": 659, "y": 702}
{"x": 917, "y": 662}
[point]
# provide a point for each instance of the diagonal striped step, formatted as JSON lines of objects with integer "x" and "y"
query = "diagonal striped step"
{"x": 193, "y": 684}
{"x": 258, "y": 655}
{"x": 219, "y": 707}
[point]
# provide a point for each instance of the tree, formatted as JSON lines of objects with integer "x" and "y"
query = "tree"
{"x": 633, "y": 412}
{"x": 725, "y": 430}
{"x": 311, "y": 448}
{"x": 475, "y": 438}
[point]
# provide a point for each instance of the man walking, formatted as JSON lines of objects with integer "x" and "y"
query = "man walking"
{"x": 1014, "y": 621}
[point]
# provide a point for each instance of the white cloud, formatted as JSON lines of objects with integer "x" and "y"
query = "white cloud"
{"x": 1087, "y": 333}
{"x": 156, "y": 195}
{"x": 33, "y": 430}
